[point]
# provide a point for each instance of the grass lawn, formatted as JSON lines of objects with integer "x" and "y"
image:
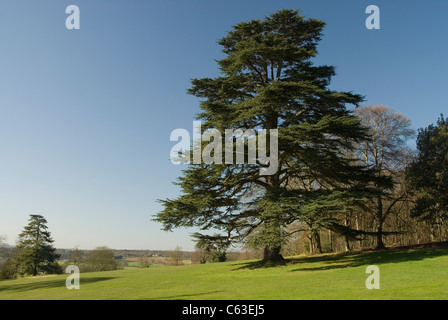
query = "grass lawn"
{"x": 410, "y": 274}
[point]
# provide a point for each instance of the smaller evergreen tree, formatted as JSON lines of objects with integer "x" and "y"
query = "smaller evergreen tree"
{"x": 35, "y": 251}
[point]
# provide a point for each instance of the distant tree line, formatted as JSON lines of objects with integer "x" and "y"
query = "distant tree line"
{"x": 98, "y": 259}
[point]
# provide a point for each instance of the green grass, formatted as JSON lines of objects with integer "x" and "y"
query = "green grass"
{"x": 415, "y": 274}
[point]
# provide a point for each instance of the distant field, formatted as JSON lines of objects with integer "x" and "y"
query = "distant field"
{"x": 415, "y": 274}
{"x": 152, "y": 261}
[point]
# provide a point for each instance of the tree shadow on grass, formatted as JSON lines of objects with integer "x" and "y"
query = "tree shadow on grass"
{"x": 374, "y": 258}
{"x": 261, "y": 264}
{"x": 350, "y": 259}
{"x": 185, "y": 296}
{"x": 37, "y": 284}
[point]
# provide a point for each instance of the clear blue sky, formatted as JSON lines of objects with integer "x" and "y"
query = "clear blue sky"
{"x": 86, "y": 115}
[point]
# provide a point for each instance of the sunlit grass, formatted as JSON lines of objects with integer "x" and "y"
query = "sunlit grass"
{"x": 417, "y": 274}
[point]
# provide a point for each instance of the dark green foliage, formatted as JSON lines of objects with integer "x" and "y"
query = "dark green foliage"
{"x": 269, "y": 82}
{"x": 428, "y": 173}
{"x": 213, "y": 247}
{"x": 35, "y": 253}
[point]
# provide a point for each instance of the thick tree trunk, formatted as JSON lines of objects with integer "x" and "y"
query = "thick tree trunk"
{"x": 272, "y": 254}
{"x": 316, "y": 237}
{"x": 347, "y": 244}
{"x": 379, "y": 238}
